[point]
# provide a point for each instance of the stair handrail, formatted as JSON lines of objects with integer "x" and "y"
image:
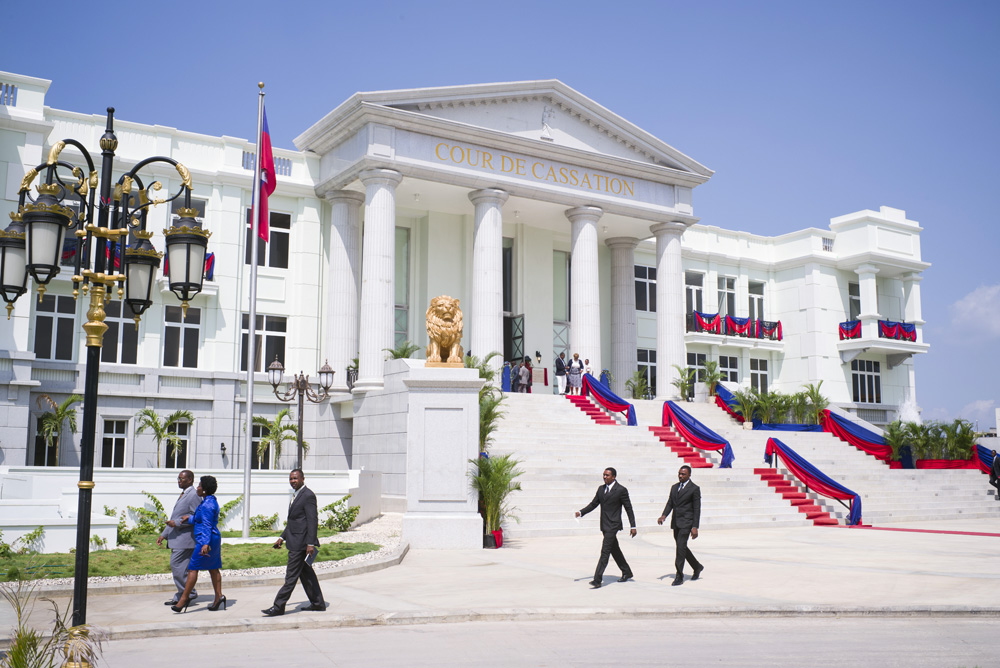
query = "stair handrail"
{"x": 697, "y": 434}
{"x": 813, "y": 478}
{"x": 608, "y": 399}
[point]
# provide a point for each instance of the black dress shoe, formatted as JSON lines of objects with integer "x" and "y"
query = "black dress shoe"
{"x": 679, "y": 580}
{"x": 697, "y": 572}
{"x": 625, "y": 578}
{"x": 596, "y": 584}
{"x": 274, "y": 611}
{"x": 173, "y": 602}
{"x": 317, "y": 607}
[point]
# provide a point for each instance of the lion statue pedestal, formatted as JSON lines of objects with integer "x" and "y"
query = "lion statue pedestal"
{"x": 444, "y": 333}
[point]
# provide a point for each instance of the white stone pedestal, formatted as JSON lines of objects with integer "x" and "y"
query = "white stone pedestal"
{"x": 442, "y": 435}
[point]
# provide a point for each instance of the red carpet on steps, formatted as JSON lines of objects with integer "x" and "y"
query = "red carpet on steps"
{"x": 796, "y": 498}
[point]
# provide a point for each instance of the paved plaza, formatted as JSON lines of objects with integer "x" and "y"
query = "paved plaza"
{"x": 818, "y": 576}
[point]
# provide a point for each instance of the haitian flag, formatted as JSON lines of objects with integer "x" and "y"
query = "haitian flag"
{"x": 850, "y": 330}
{"x": 268, "y": 179}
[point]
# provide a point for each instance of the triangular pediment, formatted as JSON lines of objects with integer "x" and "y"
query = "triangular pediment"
{"x": 547, "y": 111}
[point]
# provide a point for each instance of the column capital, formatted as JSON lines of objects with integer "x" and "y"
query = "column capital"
{"x": 586, "y": 213}
{"x": 661, "y": 229}
{"x": 345, "y": 196}
{"x": 489, "y": 196}
{"x": 621, "y": 242}
{"x": 866, "y": 269}
{"x": 386, "y": 177}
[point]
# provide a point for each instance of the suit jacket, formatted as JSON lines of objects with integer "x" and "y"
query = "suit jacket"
{"x": 686, "y": 506}
{"x": 303, "y": 521}
{"x": 611, "y": 504}
{"x": 181, "y": 537}
{"x": 560, "y": 367}
{"x": 996, "y": 467}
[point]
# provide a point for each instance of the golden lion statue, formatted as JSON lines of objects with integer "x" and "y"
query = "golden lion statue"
{"x": 444, "y": 331}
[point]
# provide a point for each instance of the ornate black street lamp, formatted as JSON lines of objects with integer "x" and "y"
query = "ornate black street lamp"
{"x": 300, "y": 388}
{"x": 33, "y": 244}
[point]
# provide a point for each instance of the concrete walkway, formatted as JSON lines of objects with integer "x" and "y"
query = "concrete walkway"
{"x": 748, "y": 572}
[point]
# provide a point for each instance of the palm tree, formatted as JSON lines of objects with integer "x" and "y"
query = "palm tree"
{"x": 402, "y": 351}
{"x": 684, "y": 381}
{"x": 276, "y": 432}
{"x": 712, "y": 376}
{"x": 52, "y": 421}
{"x": 896, "y": 438}
{"x": 637, "y": 384}
{"x": 490, "y": 399}
{"x": 494, "y": 479}
{"x": 800, "y": 407}
{"x": 746, "y": 403}
{"x": 817, "y": 401}
{"x": 959, "y": 439}
{"x": 162, "y": 429}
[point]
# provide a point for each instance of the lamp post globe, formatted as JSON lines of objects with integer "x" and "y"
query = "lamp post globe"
{"x": 141, "y": 263}
{"x": 45, "y": 224}
{"x": 326, "y": 376}
{"x": 13, "y": 262}
{"x": 275, "y": 373}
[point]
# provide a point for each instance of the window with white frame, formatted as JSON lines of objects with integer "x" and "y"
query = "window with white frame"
{"x": 853, "y": 301}
{"x": 647, "y": 365}
{"x": 121, "y": 340}
{"x": 402, "y": 287}
{"x": 645, "y": 288}
{"x": 866, "y": 381}
{"x": 272, "y": 253}
{"x": 696, "y": 362}
{"x": 727, "y": 296}
{"x": 180, "y": 336}
{"x": 756, "y": 300}
{"x": 729, "y": 368}
{"x": 269, "y": 342}
{"x": 693, "y": 285}
{"x": 113, "y": 444}
{"x": 55, "y": 318}
{"x": 177, "y": 457}
{"x": 259, "y": 458}
{"x": 758, "y": 374}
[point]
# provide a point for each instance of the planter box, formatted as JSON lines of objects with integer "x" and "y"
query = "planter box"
{"x": 947, "y": 464}
{"x": 493, "y": 540}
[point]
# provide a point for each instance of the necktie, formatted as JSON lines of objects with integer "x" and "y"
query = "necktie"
{"x": 681, "y": 488}
{"x": 607, "y": 489}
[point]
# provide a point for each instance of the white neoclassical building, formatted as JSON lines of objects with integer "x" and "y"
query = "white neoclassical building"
{"x": 558, "y": 224}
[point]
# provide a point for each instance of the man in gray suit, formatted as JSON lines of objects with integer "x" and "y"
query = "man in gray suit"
{"x": 180, "y": 535}
{"x": 685, "y": 502}
{"x": 300, "y": 536}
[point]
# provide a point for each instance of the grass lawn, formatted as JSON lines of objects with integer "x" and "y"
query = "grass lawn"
{"x": 148, "y": 558}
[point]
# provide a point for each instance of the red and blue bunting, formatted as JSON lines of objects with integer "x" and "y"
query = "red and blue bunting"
{"x": 850, "y": 330}
{"x": 813, "y": 478}
{"x": 697, "y": 434}
{"x": 769, "y": 330}
{"x": 902, "y": 331}
{"x": 984, "y": 458}
{"x": 708, "y": 322}
{"x": 724, "y": 399}
{"x": 859, "y": 437}
{"x": 608, "y": 399}
{"x": 743, "y": 326}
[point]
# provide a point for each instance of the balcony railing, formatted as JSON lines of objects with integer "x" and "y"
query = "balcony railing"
{"x": 887, "y": 329}
{"x": 714, "y": 323}
{"x": 850, "y": 329}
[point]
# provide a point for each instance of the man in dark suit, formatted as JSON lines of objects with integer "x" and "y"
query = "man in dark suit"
{"x": 611, "y": 497}
{"x": 561, "y": 373}
{"x": 180, "y": 534}
{"x": 300, "y": 534}
{"x": 685, "y": 502}
{"x": 995, "y": 472}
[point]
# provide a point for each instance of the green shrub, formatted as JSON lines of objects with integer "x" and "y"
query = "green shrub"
{"x": 228, "y": 508}
{"x": 262, "y": 522}
{"x": 149, "y": 520}
{"x": 341, "y": 515}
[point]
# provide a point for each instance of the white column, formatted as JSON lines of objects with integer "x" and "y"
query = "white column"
{"x": 868, "y": 288}
{"x": 911, "y": 304}
{"x": 585, "y": 297}
{"x": 624, "y": 360}
{"x": 486, "y": 309}
{"x": 340, "y": 344}
{"x": 669, "y": 307}
{"x": 378, "y": 267}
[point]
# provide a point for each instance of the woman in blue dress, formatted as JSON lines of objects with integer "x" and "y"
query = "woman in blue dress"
{"x": 207, "y": 546}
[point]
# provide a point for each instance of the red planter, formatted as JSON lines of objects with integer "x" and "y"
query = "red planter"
{"x": 947, "y": 464}
{"x": 498, "y": 537}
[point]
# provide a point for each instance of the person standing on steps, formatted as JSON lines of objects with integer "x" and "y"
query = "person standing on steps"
{"x": 301, "y": 535}
{"x": 180, "y": 535}
{"x": 561, "y": 373}
{"x": 685, "y": 502}
{"x": 995, "y": 472}
{"x": 611, "y": 497}
{"x": 575, "y": 371}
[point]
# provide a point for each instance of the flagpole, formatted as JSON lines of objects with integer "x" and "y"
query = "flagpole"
{"x": 252, "y": 329}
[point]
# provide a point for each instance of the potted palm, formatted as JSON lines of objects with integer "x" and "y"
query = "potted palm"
{"x": 637, "y": 385}
{"x": 896, "y": 438}
{"x": 684, "y": 381}
{"x": 712, "y": 377}
{"x": 817, "y": 402}
{"x": 746, "y": 405}
{"x": 495, "y": 478}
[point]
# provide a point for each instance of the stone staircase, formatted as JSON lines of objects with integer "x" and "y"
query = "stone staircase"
{"x": 786, "y": 486}
{"x": 564, "y": 451}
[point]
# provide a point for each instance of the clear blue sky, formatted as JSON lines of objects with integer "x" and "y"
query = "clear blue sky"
{"x": 805, "y": 110}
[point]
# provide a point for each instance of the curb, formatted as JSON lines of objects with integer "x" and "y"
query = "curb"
{"x": 246, "y": 625}
{"x": 394, "y": 558}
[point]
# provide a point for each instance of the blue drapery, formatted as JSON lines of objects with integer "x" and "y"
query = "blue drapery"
{"x": 608, "y": 399}
{"x": 696, "y": 433}
{"x": 984, "y": 458}
{"x": 505, "y": 378}
{"x": 760, "y": 426}
{"x": 814, "y": 478}
{"x": 606, "y": 378}
{"x": 856, "y": 435}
